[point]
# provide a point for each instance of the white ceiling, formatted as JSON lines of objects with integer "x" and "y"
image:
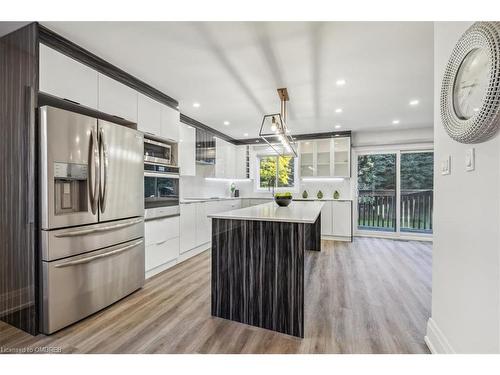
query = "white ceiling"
{"x": 234, "y": 68}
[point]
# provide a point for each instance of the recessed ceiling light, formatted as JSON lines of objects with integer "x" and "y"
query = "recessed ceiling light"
{"x": 196, "y": 105}
{"x": 414, "y": 102}
{"x": 177, "y": 107}
{"x": 257, "y": 141}
{"x": 338, "y": 110}
{"x": 340, "y": 82}
{"x": 226, "y": 123}
{"x": 245, "y": 135}
{"x": 338, "y": 126}
{"x": 395, "y": 122}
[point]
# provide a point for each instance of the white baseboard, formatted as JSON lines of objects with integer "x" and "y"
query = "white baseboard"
{"x": 436, "y": 341}
{"x": 335, "y": 238}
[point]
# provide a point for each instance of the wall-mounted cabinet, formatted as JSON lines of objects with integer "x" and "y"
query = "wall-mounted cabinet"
{"x": 148, "y": 115}
{"x": 325, "y": 157}
{"x": 187, "y": 150}
{"x": 157, "y": 119}
{"x": 66, "y": 78}
{"x": 342, "y": 157}
{"x": 170, "y": 121}
{"x": 242, "y": 167}
{"x": 117, "y": 99}
{"x": 205, "y": 147}
{"x": 225, "y": 160}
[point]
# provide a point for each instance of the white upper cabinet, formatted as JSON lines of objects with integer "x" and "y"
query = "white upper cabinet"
{"x": 170, "y": 120}
{"x": 230, "y": 161}
{"x": 149, "y": 115}
{"x": 66, "y": 78}
{"x": 220, "y": 158}
{"x": 342, "y": 157}
{"x": 225, "y": 159}
{"x": 307, "y": 158}
{"x": 325, "y": 157}
{"x": 117, "y": 99}
{"x": 187, "y": 150}
{"x": 242, "y": 162}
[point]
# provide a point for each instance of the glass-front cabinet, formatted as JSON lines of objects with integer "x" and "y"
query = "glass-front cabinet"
{"x": 329, "y": 157}
{"x": 342, "y": 157}
{"x": 307, "y": 159}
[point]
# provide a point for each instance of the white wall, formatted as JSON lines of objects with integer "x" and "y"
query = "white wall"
{"x": 466, "y": 269}
{"x": 393, "y": 137}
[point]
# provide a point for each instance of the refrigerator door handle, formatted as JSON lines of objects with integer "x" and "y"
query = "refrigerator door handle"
{"x": 93, "y": 167}
{"x": 103, "y": 154}
{"x": 94, "y": 257}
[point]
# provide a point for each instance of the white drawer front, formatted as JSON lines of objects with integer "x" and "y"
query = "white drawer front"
{"x": 161, "y": 253}
{"x": 160, "y": 230}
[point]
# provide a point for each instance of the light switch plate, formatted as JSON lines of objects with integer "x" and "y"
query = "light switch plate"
{"x": 446, "y": 165}
{"x": 470, "y": 162}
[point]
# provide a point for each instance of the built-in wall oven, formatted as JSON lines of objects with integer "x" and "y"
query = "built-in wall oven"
{"x": 161, "y": 190}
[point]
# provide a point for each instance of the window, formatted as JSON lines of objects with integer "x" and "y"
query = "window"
{"x": 276, "y": 171}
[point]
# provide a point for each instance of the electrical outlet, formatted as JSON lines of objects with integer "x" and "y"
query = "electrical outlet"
{"x": 470, "y": 160}
{"x": 446, "y": 165}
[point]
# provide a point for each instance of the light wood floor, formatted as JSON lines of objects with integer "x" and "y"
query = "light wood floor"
{"x": 371, "y": 296}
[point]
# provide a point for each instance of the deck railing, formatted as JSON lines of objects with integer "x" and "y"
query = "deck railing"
{"x": 377, "y": 210}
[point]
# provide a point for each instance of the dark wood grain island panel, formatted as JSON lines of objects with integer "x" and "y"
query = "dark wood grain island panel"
{"x": 258, "y": 273}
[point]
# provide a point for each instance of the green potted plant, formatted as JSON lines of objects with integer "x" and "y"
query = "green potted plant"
{"x": 336, "y": 194}
{"x": 283, "y": 199}
{"x": 320, "y": 194}
{"x": 304, "y": 194}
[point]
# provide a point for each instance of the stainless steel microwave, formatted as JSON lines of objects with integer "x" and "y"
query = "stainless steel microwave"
{"x": 157, "y": 152}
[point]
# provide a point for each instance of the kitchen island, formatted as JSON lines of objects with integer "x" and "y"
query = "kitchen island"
{"x": 258, "y": 263}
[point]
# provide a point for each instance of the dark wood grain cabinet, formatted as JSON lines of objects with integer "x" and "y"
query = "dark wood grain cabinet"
{"x": 18, "y": 213}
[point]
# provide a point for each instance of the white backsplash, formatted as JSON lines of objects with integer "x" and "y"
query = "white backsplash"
{"x": 199, "y": 187}
{"x": 194, "y": 187}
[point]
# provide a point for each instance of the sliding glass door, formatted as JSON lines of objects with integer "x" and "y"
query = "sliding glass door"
{"x": 395, "y": 192}
{"x": 416, "y": 192}
{"x": 377, "y": 192}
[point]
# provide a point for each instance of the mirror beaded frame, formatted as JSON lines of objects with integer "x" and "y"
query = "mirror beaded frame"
{"x": 485, "y": 123}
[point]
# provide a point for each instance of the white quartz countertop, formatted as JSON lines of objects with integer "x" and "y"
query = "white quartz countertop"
{"x": 296, "y": 212}
{"x": 194, "y": 200}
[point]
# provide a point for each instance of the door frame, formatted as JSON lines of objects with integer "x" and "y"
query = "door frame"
{"x": 386, "y": 149}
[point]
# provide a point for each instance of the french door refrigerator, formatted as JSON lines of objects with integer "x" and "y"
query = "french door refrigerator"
{"x": 92, "y": 215}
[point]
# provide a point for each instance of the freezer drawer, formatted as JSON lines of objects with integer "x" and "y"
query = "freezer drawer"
{"x": 63, "y": 243}
{"x": 76, "y": 287}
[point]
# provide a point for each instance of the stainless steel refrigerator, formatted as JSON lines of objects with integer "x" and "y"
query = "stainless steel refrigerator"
{"x": 92, "y": 215}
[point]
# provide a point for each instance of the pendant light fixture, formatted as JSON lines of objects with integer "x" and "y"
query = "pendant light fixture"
{"x": 274, "y": 130}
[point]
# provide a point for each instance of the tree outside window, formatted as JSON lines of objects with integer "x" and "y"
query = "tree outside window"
{"x": 276, "y": 171}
